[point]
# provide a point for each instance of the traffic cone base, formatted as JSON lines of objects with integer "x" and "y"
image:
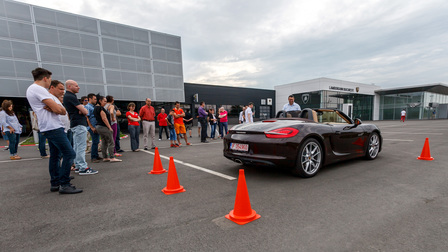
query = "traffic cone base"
{"x": 241, "y": 220}
{"x": 173, "y": 191}
{"x": 157, "y": 167}
{"x": 426, "y": 153}
{"x": 157, "y": 172}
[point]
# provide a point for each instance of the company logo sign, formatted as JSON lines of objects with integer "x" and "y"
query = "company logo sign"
{"x": 305, "y": 98}
{"x": 341, "y": 89}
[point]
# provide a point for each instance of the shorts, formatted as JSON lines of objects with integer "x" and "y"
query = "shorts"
{"x": 199, "y": 124}
{"x": 188, "y": 126}
{"x": 180, "y": 128}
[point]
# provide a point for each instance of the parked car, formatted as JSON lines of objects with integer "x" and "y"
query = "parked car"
{"x": 303, "y": 140}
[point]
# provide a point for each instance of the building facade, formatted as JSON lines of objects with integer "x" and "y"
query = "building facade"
{"x": 126, "y": 62}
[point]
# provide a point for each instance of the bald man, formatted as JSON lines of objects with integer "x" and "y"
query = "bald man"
{"x": 78, "y": 125}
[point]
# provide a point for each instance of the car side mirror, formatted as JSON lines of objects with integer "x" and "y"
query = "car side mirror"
{"x": 357, "y": 121}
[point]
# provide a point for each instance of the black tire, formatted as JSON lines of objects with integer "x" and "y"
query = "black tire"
{"x": 373, "y": 146}
{"x": 309, "y": 159}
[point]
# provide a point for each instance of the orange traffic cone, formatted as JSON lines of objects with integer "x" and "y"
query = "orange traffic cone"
{"x": 157, "y": 167}
{"x": 242, "y": 212}
{"x": 172, "y": 185}
{"x": 426, "y": 155}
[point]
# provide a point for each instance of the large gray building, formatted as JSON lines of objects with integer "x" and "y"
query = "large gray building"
{"x": 126, "y": 62}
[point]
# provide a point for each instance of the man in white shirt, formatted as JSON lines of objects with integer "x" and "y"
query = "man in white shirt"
{"x": 403, "y": 115}
{"x": 48, "y": 111}
{"x": 291, "y": 105}
{"x": 248, "y": 113}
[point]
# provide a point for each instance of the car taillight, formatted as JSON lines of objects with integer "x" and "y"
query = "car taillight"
{"x": 282, "y": 133}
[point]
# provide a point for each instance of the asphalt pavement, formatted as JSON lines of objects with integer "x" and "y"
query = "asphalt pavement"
{"x": 393, "y": 203}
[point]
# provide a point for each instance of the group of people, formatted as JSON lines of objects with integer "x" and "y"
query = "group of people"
{"x": 65, "y": 122}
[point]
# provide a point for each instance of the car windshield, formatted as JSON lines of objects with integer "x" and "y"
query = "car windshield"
{"x": 330, "y": 116}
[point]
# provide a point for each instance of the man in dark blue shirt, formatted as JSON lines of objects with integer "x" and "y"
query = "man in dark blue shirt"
{"x": 78, "y": 125}
{"x": 91, "y": 121}
{"x": 203, "y": 120}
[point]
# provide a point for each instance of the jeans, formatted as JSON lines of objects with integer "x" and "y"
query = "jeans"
{"x": 13, "y": 142}
{"x": 58, "y": 143}
{"x": 134, "y": 135}
{"x": 221, "y": 126}
{"x": 95, "y": 142}
{"x": 173, "y": 135}
{"x": 114, "y": 134}
{"x": 161, "y": 128}
{"x": 107, "y": 141}
{"x": 42, "y": 140}
{"x": 117, "y": 138}
{"x": 213, "y": 130}
{"x": 80, "y": 145}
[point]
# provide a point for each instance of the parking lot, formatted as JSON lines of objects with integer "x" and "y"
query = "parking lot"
{"x": 393, "y": 203}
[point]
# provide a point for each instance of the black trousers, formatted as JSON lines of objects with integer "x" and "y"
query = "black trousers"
{"x": 203, "y": 122}
{"x": 161, "y": 128}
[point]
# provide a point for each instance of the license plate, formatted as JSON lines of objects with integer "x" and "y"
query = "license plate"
{"x": 239, "y": 147}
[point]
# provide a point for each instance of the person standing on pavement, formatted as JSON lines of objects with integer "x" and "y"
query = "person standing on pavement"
{"x": 241, "y": 117}
{"x": 78, "y": 125}
{"x": 104, "y": 128}
{"x": 223, "y": 119}
{"x": 403, "y": 115}
{"x": 13, "y": 129}
{"x": 162, "y": 124}
{"x": 248, "y": 113}
{"x": 212, "y": 120}
{"x": 179, "y": 125}
{"x": 173, "y": 136}
{"x": 117, "y": 138}
{"x": 203, "y": 120}
{"x": 114, "y": 121}
{"x": 48, "y": 111}
{"x": 2, "y": 126}
{"x": 91, "y": 121}
{"x": 148, "y": 114}
{"x": 188, "y": 122}
{"x": 133, "y": 126}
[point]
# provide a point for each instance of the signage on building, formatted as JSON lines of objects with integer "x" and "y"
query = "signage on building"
{"x": 263, "y": 101}
{"x": 341, "y": 89}
{"x": 269, "y": 101}
{"x": 305, "y": 98}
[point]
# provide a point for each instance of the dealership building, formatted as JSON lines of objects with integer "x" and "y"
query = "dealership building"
{"x": 133, "y": 64}
{"x": 368, "y": 102}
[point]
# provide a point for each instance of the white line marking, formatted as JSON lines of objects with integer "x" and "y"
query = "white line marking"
{"x": 27, "y": 159}
{"x": 183, "y": 145}
{"x": 399, "y": 140}
{"x": 194, "y": 166}
{"x": 423, "y": 133}
{"x": 388, "y": 126}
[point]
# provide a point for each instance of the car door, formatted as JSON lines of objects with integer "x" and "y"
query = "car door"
{"x": 348, "y": 139}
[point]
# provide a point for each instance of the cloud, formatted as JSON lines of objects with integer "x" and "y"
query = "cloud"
{"x": 265, "y": 43}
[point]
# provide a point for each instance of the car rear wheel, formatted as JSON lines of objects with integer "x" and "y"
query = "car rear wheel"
{"x": 310, "y": 158}
{"x": 373, "y": 147}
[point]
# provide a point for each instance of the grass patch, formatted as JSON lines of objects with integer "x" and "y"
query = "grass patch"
{"x": 28, "y": 141}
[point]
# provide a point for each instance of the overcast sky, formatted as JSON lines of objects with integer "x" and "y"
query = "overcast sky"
{"x": 259, "y": 43}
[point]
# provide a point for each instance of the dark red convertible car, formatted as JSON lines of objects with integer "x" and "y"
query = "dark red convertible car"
{"x": 303, "y": 140}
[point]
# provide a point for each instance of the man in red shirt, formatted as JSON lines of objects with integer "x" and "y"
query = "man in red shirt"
{"x": 162, "y": 124}
{"x": 148, "y": 114}
{"x": 179, "y": 125}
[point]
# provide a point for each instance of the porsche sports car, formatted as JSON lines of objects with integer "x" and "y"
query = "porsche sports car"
{"x": 304, "y": 140}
